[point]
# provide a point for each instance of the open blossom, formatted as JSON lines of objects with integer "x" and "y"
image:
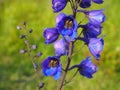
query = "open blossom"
{"x": 51, "y": 66}
{"x": 61, "y": 47}
{"x": 96, "y": 17}
{"x": 50, "y": 34}
{"x": 58, "y": 5}
{"x": 96, "y": 46}
{"x": 87, "y": 3}
{"x": 87, "y": 68}
{"x": 66, "y": 25}
{"x": 91, "y": 31}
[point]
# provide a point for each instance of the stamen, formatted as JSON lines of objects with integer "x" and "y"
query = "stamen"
{"x": 68, "y": 24}
{"x": 53, "y": 63}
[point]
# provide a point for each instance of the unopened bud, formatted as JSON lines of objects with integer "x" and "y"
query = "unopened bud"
{"x": 41, "y": 85}
{"x": 23, "y": 51}
{"x": 18, "y": 28}
{"x": 24, "y": 23}
{"x": 30, "y": 31}
{"x": 35, "y": 66}
{"x": 34, "y": 47}
{"x": 22, "y": 36}
{"x": 26, "y": 41}
{"x": 38, "y": 54}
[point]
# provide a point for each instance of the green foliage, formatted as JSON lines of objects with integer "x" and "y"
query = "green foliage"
{"x": 16, "y": 71}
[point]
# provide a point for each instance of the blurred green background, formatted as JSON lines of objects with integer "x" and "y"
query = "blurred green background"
{"x": 16, "y": 70}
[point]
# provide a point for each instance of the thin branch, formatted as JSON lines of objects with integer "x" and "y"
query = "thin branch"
{"x": 35, "y": 65}
{"x": 71, "y": 77}
{"x": 73, "y": 67}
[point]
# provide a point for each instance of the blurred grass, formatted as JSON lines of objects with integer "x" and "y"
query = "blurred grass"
{"x": 16, "y": 71}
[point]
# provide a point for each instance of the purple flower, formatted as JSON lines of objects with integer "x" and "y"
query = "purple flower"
{"x": 61, "y": 47}
{"x": 87, "y": 3}
{"x": 51, "y": 66}
{"x": 96, "y": 17}
{"x": 66, "y": 25}
{"x": 91, "y": 31}
{"x": 96, "y": 46}
{"x": 50, "y": 34}
{"x": 58, "y": 5}
{"x": 87, "y": 68}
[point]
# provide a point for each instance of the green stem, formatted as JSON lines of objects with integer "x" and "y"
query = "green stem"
{"x": 31, "y": 56}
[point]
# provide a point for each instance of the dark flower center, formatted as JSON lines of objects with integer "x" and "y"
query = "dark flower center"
{"x": 68, "y": 24}
{"x": 53, "y": 63}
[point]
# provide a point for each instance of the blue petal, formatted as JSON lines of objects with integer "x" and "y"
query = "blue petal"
{"x": 96, "y": 46}
{"x": 59, "y": 18}
{"x": 91, "y": 31}
{"x": 85, "y": 3}
{"x": 50, "y": 34}
{"x": 61, "y": 47}
{"x": 87, "y": 68}
{"x": 98, "y": 1}
{"x": 49, "y": 71}
{"x": 59, "y": 72}
{"x": 57, "y": 75}
{"x": 58, "y": 5}
{"x": 73, "y": 36}
{"x": 86, "y": 74}
{"x": 96, "y": 16}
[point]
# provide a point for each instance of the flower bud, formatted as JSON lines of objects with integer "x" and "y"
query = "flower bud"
{"x": 35, "y": 66}
{"x": 50, "y": 35}
{"x": 18, "y": 28}
{"x": 26, "y": 41}
{"x": 34, "y": 47}
{"x": 31, "y": 30}
{"x": 24, "y": 23}
{"x": 39, "y": 54}
{"x": 22, "y": 36}
{"x": 41, "y": 85}
{"x": 23, "y": 51}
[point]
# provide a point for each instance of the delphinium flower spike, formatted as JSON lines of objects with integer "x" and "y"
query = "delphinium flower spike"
{"x": 67, "y": 28}
{"x": 63, "y": 37}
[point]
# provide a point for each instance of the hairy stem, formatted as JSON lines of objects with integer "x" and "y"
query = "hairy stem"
{"x": 67, "y": 66}
{"x": 31, "y": 57}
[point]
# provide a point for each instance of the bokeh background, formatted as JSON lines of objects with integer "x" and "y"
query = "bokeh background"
{"x": 16, "y": 70}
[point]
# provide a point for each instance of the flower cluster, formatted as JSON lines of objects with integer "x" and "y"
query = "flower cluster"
{"x": 64, "y": 35}
{"x": 65, "y": 32}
